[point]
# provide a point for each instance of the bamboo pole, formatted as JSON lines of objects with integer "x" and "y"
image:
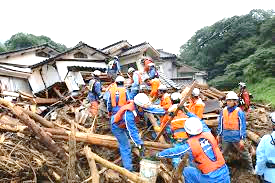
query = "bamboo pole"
{"x": 116, "y": 168}
{"x": 155, "y": 124}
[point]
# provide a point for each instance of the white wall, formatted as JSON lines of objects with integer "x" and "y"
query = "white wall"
{"x": 14, "y": 84}
{"x": 36, "y": 81}
{"x": 63, "y": 70}
{"x": 50, "y": 75}
{"x": 25, "y": 59}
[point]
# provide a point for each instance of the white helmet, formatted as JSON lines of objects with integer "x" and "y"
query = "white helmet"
{"x": 97, "y": 73}
{"x": 193, "y": 126}
{"x": 131, "y": 69}
{"x": 242, "y": 84}
{"x": 162, "y": 87}
{"x": 145, "y": 77}
{"x": 120, "y": 79}
{"x": 196, "y": 92}
{"x": 232, "y": 96}
{"x": 176, "y": 96}
{"x": 115, "y": 57}
{"x": 142, "y": 100}
{"x": 272, "y": 117}
{"x": 151, "y": 64}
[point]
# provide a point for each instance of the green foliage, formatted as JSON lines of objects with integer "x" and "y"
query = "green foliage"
{"x": 263, "y": 91}
{"x": 2, "y": 48}
{"x": 22, "y": 40}
{"x": 227, "y": 42}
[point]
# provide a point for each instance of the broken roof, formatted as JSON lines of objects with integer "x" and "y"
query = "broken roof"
{"x": 167, "y": 82}
{"x": 29, "y": 49}
{"x": 78, "y": 46}
{"x": 138, "y": 48}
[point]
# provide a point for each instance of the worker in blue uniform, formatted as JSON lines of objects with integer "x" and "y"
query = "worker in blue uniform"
{"x": 123, "y": 123}
{"x": 203, "y": 151}
{"x": 265, "y": 155}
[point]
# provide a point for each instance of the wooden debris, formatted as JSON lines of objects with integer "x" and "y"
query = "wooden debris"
{"x": 114, "y": 167}
{"x": 39, "y": 119}
{"x": 92, "y": 164}
{"x": 39, "y": 132}
{"x": 253, "y": 136}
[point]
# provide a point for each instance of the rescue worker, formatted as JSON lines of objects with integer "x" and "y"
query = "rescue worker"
{"x": 152, "y": 71}
{"x": 244, "y": 99}
{"x": 196, "y": 105}
{"x": 203, "y": 152}
{"x": 154, "y": 83}
{"x": 94, "y": 94}
{"x": 113, "y": 68}
{"x": 123, "y": 123}
{"x": 232, "y": 129}
{"x": 118, "y": 96}
{"x": 146, "y": 61}
{"x": 136, "y": 80}
{"x": 265, "y": 155}
{"x": 165, "y": 102}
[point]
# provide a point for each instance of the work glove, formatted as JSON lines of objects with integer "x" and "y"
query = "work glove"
{"x": 157, "y": 128}
{"x": 141, "y": 150}
{"x": 100, "y": 97}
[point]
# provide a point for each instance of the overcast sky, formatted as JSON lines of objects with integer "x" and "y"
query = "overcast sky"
{"x": 164, "y": 24}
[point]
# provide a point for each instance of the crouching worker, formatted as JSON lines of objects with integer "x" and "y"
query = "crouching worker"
{"x": 205, "y": 153}
{"x": 123, "y": 123}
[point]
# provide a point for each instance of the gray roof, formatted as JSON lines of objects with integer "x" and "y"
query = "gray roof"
{"x": 134, "y": 49}
{"x": 167, "y": 82}
{"x": 165, "y": 55}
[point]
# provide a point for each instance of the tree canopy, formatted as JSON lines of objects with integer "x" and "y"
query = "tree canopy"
{"x": 22, "y": 40}
{"x": 240, "y": 48}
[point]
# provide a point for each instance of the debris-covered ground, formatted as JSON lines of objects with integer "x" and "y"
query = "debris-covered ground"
{"x": 52, "y": 149}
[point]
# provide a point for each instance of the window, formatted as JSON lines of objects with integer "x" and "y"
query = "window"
{"x": 80, "y": 55}
{"x": 42, "y": 54}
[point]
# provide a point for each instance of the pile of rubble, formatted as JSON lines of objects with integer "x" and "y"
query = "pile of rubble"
{"x": 64, "y": 144}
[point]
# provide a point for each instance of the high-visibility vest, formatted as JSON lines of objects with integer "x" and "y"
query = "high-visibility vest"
{"x": 204, "y": 164}
{"x": 196, "y": 107}
{"x": 165, "y": 101}
{"x": 231, "y": 120}
{"x": 177, "y": 126}
{"x": 155, "y": 83}
{"x": 122, "y": 95}
{"x": 130, "y": 106}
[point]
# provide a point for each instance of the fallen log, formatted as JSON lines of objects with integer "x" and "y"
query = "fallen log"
{"x": 102, "y": 140}
{"x": 253, "y": 136}
{"x": 116, "y": 168}
{"x": 39, "y": 119}
{"x": 92, "y": 165}
{"x": 39, "y": 100}
{"x": 217, "y": 91}
{"x": 43, "y": 137}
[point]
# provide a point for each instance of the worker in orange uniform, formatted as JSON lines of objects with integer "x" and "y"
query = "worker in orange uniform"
{"x": 203, "y": 152}
{"x": 196, "y": 105}
{"x": 154, "y": 83}
{"x": 94, "y": 94}
{"x": 118, "y": 96}
{"x": 232, "y": 130}
{"x": 244, "y": 99}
